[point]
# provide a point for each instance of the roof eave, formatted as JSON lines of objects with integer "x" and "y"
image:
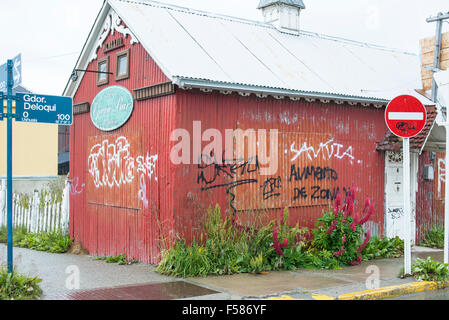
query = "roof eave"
{"x": 261, "y": 6}
{"x": 186, "y": 83}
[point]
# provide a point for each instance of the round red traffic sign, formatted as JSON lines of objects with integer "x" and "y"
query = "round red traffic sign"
{"x": 405, "y": 116}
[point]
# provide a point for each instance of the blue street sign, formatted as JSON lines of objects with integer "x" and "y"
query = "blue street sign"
{"x": 16, "y": 73}
{"x": 38, "y": 108}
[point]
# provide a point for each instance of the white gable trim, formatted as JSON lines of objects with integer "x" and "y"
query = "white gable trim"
{"x": 111, "y": 24}
{"x": 82, "y": 63}
{"x": 145, "y": 45}
{"x": 107, "y": 22}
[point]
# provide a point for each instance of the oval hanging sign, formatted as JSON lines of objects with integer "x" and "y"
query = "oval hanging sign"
{"x": 112, "y": 108}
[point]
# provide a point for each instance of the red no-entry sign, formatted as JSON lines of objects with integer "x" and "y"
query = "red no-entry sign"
{"x": 405, "y": 116}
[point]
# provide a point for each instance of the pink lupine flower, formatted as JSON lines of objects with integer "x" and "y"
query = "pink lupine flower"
{"x": 332, "y": 227}
{"x": 364, "y": 244}
{"x": 337, "y": 204}
{"x": 368, "y": 214}
{"x": 340, "y": 252}
{"x": 356, "y": 262}
{"x": 278, "y": 246}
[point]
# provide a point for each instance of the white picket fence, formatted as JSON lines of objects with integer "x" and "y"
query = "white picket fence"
{"x": 49, "y": 215}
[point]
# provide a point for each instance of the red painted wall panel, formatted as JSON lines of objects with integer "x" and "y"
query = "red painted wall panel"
{"x": 359, "y": 128}
{"x": 112, "y": 228}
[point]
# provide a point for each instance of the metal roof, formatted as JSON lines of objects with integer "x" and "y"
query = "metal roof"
{"x": 296, "y": 3}
{"x": 200, "y": 49}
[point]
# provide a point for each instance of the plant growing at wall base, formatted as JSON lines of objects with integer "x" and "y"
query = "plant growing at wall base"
{"x": 52, "y": 242}
{"x": 231, "y": 248}
{"x": 18, "y": 235}
{"x": 430, "y": 270}
{"x": 120, "y": 259}
{"x": 379, "y": 248}
{"x": 14, "y": 286}
{"x": 340, "y": 230}
{"x": 434, "y": 237}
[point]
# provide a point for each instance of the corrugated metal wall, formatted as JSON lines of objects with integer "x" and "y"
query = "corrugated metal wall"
{"x": 323, "y": 147}
{"x": 130, "y": 218}
{"x": 350, "y": 132}
{"x": 430, "y": 196}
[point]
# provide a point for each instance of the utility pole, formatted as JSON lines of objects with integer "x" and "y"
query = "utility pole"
{"x": 437, "y": 52}
{"x": 436, "y": 67}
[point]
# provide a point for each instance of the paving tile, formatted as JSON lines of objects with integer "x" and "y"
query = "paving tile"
{"x": 268, "y": 284}
{"x": 153, "y": 291}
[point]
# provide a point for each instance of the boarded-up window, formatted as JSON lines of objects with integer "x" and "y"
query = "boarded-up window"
{"x": 113, "y": 170}
{"x": 305, "y": 175}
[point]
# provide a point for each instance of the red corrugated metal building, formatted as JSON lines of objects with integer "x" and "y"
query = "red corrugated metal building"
{"x": 205, "y": 74}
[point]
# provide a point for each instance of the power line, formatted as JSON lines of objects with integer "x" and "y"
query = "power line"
{"x": 54, "y": 57}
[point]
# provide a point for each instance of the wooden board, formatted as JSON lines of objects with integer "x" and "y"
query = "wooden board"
{"x": 113, "y": 170}
{"x": 306, "y": 174}
{"x": 427, "y": 58}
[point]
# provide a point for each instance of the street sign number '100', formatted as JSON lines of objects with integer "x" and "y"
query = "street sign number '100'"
{"x": 38, "y": 108}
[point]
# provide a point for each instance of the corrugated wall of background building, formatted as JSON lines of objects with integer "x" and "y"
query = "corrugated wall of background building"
{"x": 430, "y": 197}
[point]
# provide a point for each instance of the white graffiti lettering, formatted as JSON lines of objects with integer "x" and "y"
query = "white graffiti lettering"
{"x": 143, "y": 191}
{"x": 111, "y": 165}
{"x": 75, "y": 189}
{"x": 147, "y": 165}
{"x": 327, "y": 151}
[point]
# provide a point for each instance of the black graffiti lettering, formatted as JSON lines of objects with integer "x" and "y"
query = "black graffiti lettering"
{"x": 325, "y": 194}
{"x": 230, "y": 185}
{"x": 396, "y": 213}
{"x": 209, "y": 171}
{"x": 405, "y": 127}
{"x": 318, "y": 173}
{"x": 315, "y": 194}
{"x": 270, "y": 186}
{"x": 300, "y": 194}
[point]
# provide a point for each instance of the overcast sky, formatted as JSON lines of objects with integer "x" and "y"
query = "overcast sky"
{"x": 51, "y": 33}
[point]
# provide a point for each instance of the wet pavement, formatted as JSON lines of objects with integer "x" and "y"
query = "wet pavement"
{"x": 154, "y": 291}
{"x": 307, "y": 284}
{"x": 442, "y": 294}
{"x": 100, "y": 280}
{"x": 97, "y": 280}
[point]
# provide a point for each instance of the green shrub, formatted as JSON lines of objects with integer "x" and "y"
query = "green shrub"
{"x": 53, "y": 242}
{"x": 14, "y": 286}
{"x": 379, "y": 248}
{"x": 340, "y": 230}
{"x": 18, "y": 235}
{"x": 120, "y": 259}
{"x": 231, "y": 248}
{"x": 430, "y": 270}
{"x": 434, "y": 238}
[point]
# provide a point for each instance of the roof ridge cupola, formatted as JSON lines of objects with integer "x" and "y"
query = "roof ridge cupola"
{"x": 283, "y": 14}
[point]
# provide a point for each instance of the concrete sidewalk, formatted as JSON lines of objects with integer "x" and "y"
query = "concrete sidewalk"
{"x": 318, "y": 284}
{"x": 99, "y": 280}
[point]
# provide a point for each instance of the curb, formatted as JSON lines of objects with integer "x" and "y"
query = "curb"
{"x": 393, "y": 291}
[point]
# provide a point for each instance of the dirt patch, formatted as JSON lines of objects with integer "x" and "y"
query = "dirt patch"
{"x": 77, "y": 249}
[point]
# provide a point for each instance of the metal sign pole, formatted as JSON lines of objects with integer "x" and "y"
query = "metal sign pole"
{"x": 9, "y": 116}
{"x": 406, "y": 173}
{"x": 446, "y": 202}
